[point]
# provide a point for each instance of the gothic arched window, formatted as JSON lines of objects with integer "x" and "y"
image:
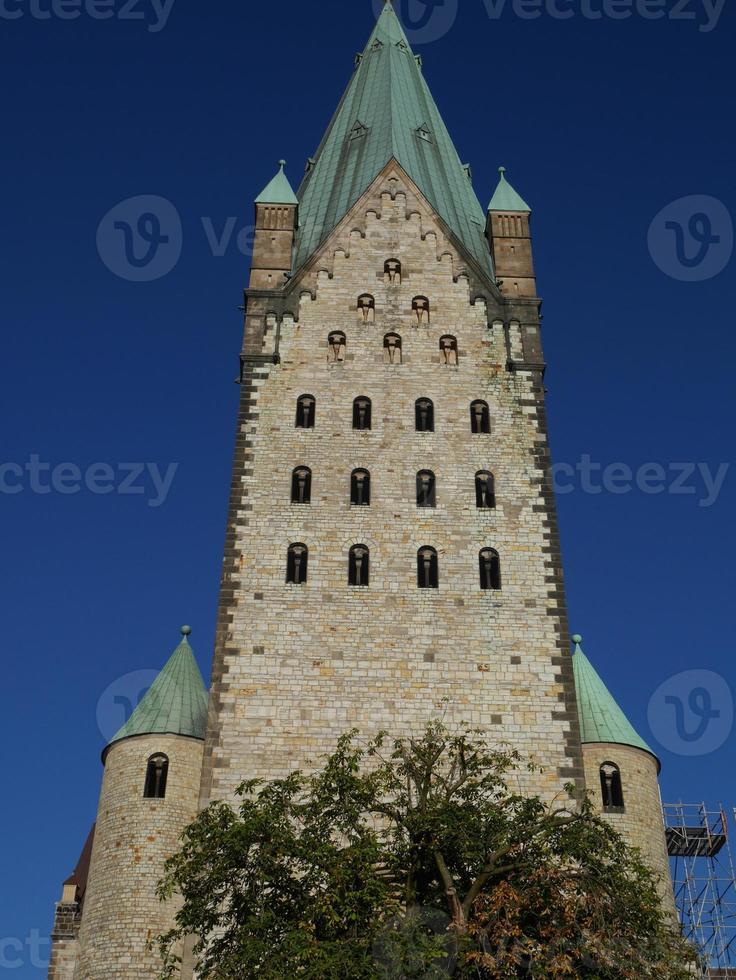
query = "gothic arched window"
{"x": 485, "y": 490}
{"x": 392, "y": 348}
{"x": 360, "y": 488}
{"x": 427, "y": 569}
{"x": 359, "y": 565}
{"x": 480, "y": 418}
{"x": 420, "y": 309}
{"x": 448, "y": 350}
{"x": 336, "y": 345}
{"x": 611, "y": 787}
{"x": 362, "y": 413}
{"x": 490, "y": 569}
{"x": 305, "y": 412}
{"x": 157, "y": 773}
{"x": 367, "y": 307}
{"x": 426, "y": 489}
{"x": 392, "y": 271}
{"x": 424, "y": 415}
{"x": 301, "y": 485}
{"x": 297, "y": 560}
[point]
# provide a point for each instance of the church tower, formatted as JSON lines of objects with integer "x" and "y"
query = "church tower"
{"x": 392, "y": 548}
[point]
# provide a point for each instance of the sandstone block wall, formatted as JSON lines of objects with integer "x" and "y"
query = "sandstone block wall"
{"x": 134, "y": 836}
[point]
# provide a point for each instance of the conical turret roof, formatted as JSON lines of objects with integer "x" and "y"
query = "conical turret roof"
{"x": 601, "y": 718}
{"x": 506, "y": 198}
{"x": 388, "y": 112}
{"x": 176, "y": 702}
{"x": 278, "y": 190}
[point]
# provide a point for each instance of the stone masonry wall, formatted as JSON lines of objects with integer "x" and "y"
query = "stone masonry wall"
{"x": 134, "y": 836}
{"x": 641, "y": 824}
{"x": 65, "y": 941}
{"x": 298, "y": 665}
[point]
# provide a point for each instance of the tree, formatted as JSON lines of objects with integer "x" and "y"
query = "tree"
{"x": 414, "y": 859}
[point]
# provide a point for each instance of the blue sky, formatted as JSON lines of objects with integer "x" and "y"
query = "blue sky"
{"x": 602, "y": 124}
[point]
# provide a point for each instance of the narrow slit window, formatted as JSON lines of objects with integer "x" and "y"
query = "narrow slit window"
{"x": 157, "y": 774}
{"x": 305, "y": 412}
{"x": 424, "y": 415}
{"x": 490, "y": 570}
{"x": 426, "y": 489}
{"x": 301, "y": 485}
{"x": 297, "y": 561}
{"x": 336, "y": 347}
{"x": 360, "y": 488}
{"x": 359, "y": 566}
{"x": 485, "y": 490}
{"x": 392, "y": 348}
{"x": 392, "y": 272}
{"x": 420, "y": 309}
{"x": 367, "y": 308}
{"x": 480, "y": 418}
{"x": 427, "y": 569}
{"x": 362, "y": 413}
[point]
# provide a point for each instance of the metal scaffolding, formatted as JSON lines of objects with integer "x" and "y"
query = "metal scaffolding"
{"x": 704, "y": 878}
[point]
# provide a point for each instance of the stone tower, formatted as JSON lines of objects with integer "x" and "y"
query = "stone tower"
{"x": 149, "y": 795}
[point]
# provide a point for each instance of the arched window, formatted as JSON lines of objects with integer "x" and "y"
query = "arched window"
{"x": 336, "y": 345}
{"x": 301, "y": 485}
{"x": 360, "y": 488}
{"x": 448, "y": 350}
{"x": 420, "y": 308}
{"x": 362, "y": 413}
{"x": 367, "y": 307}
{"x": 611, "y": 787}
{"x": 427, "y": 569}
{"x": 485, "y": 490}
{"x": 424, "y": 415}
{"x": 392, "y": 348}
{"x": 305, "y": 412}
{"x": 359, "y": 565}
{"x": 157, "y": 773}
{"x": 297, "y": 561}
{"x": 480, "y": 418}
{"x": 490, "y": 569}
{"x": 392, "y": 271}
{"x": 426, "y": 489}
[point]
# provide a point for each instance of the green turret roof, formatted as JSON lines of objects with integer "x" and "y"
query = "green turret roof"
{"x": 176, "y": 702}
{"x": 388, "y": 112}
{"x": 506, "y": 198}
{"x": 278, "y": 190}
{"x": 601, "y": 719}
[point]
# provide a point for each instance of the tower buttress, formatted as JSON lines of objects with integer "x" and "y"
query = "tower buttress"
{"x": 509, "y": 236}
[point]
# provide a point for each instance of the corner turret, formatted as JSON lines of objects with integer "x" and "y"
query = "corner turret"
{"x": 273, "y": 241}
{"x": 509, "y": 236}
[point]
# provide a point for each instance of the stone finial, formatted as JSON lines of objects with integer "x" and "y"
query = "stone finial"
{"x": 576, "y": 639}
{"x": 186, "y": 631}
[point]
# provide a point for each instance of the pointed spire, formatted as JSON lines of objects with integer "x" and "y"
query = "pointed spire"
{"x": 278, "y": 190}
{"x": 506, "y": 198}
{"x": 176, "y": 702}
{"x": 398, "y": 119}
{"x": 601, "y": 718}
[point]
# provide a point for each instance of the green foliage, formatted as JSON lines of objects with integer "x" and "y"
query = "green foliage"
{"x": 414, "y": 860}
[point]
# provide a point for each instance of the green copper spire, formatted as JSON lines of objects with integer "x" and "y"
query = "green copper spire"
{"x": 279, "y": 190}
{"x": 176, "y": 702}
{"x": 506, "y": 198}
{"x": 601, "y": 719}
{"x": 388, "y": 112}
